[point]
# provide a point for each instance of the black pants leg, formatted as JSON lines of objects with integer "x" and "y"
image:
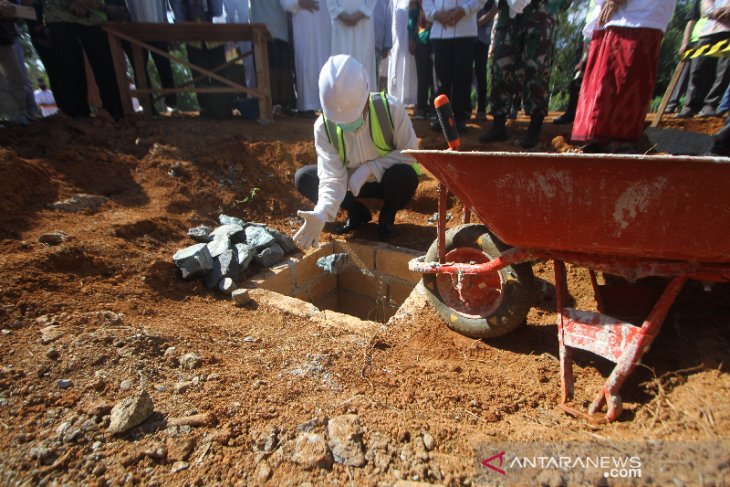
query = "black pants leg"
{"x": 397, "y": 188}
{"x": 481, "y": 52}
{"x": 722, "y": 78}
{"x": 69, "y": 88}
{"x": 164, "y": 69}
{"x": 453, "y": 59}
{"x": 96, "y": 45}
{"x": 424, "y": 73}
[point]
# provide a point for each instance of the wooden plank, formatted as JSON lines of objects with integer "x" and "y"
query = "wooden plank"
{"x": 141, "y": 70}
{"x": 263, "y": 79}
{"x": 668, "y": 92}
{"x": 190, "y": 31}
{"x": 120, "y": 73}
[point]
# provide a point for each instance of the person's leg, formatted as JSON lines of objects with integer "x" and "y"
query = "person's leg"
{"x": 717, "y": 90}
{"x": 70, "y": 90}
{"x": 721, "y": 142}
{"x": 701, "y": 77}
{"x": 12, "y": 93}
{"x": 164, "y": 69}
{"x": 481, "y": 52}
{"x": 31, "y": 109}
{"x": 725, "y": 102}
{"x": 443, "y": 66}
{"x": 503, "y": 82}
{"x": 679, "y": 89}
{"x": 396, "y": 188}
{"x": 96, "y": 45}
{"x": 423, "y": 75}
{"x": 307, "y": 182}
{"x": 462, "y": 54}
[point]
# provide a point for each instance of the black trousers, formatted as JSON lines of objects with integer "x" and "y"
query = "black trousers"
{"x": 709, "y": 76}
{"x": 163, "y": 65}
{"x": 70, "y": 42}
{"x": 424, "y": 75}
{"x": 453, "y": 59}
{"x": 397, "y": 187}
{"x": 481, "y": 53}
{"x": 212, "y": 105}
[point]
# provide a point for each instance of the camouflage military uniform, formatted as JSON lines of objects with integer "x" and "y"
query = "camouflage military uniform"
{"x": 523, "y": 53}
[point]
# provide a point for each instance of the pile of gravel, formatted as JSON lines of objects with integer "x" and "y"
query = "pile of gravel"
{"x": 226, "y": 251}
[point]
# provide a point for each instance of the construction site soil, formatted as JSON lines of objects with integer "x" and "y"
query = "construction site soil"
{"x": 426, "y": 397}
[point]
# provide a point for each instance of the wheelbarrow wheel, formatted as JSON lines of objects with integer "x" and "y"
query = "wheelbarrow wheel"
{"x": 480, "y": 305}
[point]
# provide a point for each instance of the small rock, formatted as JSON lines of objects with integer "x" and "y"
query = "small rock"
{"x": 190, "y": 361}
{"x": 219, "y": 245}
{"x": 5, "y": 331}
{"x": 178, "y": 466}
{"x": 44, "y": 455}
{"x": 269, "y": 256}
{"x": 126, "y": 385}
{"x": 227, "y": 285}
{"x": 200, "y": 233}
{"x": 345, "y": 440}
{"x": 241, "y": 296}
{"x": 244, "y": 255}
{"x": 284, "y": 240}
{"x": 310, "y": 451}
{"x": 181, "y": 387}
{"x": 130, "y": 412}
{"x": 16, "y": 325}
{"x": 224, "y": 265}
{"x": 259, "y": 237}
{"x": 64, "y": 383}
{"x": 428, "y": 441}
{"x": 230, "y": 220}
{"x": 80, "y": 202}
{"x": 52, "y": 354}
{"x": 180, "y": 450}
{"x": 213, "y": 376}
{"x": 250, "y": 339}
{"x": 234, "y": 232}
{"x": 51, "y": 333}
{"x": 264, "y": 472}
{"x": 158, "y": 451}
{"x": 194, "y": 260}
{"x": 99, "y": 408}
{"x": 56, "y": 237}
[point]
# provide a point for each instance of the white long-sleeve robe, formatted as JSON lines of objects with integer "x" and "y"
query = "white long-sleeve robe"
{"x": 359, "y": 40}
{"x": 312, "y": 46}
{"x": 402, "y": 80}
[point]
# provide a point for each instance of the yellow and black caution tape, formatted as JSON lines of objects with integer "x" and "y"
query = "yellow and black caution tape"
{"x": 718, "y": 49}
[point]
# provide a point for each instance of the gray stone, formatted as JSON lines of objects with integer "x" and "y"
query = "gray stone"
{"x": 227, "y": 285}
{"x": 190, "y": 361}
{"x": 181, "y": 387}
{"x": 334, "y": 263}
{"x": 80, "y": 202}
{"x": 231, "y": 220}
{"x": 51, "y": 333}
{"x": 235, "y": 232}
{"x": 43, "y": 454}
{"x": 126, "y": 385}
{"x": 259, "y": 237}
{"x": 52, "y": 354}
{"x": 224, "y": 265}
{"x": 428, "y": 441}
{"x": 345, "y": 440}
{"x": 201, "y": 233}
{"x": 130, "y": 412}
{"x": 311, "y": 451}
{"x": 241, "y": 296}
{"x": 284, "y": 240}
{"x": 269, "y": 256}
{"x": 179, "y": 466}
{"x": 219, "y": 245}
{"x": 64, "y": 383}
{"x": 244, "y": 254}
{"x": 53, "y": 238}
{"x": 194, "y": 260}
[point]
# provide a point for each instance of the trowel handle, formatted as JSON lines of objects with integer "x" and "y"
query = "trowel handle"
{"x": 446, "y": 119}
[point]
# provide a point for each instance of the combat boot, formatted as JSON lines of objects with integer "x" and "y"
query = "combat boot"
{"x": 497, "y": 133}
{"x": 533, "y": 133}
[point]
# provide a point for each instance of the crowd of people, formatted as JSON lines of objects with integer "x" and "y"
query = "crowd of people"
{"x": 411, "y": 49}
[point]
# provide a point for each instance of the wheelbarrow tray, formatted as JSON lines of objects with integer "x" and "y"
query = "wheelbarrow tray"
{"x": 660, "y": 207}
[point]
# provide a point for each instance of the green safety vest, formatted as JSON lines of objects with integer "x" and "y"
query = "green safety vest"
{"x": 381, "y": 130}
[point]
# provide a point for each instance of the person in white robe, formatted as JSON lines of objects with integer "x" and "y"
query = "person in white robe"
{"x": 402, "y": 80}
{"x": 312, "y": 34}
{"x": 353, "y": 32}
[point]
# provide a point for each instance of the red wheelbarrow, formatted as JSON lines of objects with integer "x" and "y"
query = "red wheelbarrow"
{"x": 628, "y": 216}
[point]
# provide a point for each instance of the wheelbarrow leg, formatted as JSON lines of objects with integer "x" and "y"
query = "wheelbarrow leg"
{"x": 632, "y": 354}
{"x": 566, "y": 354}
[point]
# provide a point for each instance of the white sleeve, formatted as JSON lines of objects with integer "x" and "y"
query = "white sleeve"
{"x": 291, "y": 6}
{"x": 404, "y": 138}
{"x": 367, "y": 7}
{"x": 332, "y": 174}
{"x": 429, "y": 9}
{"x": 335, "y": 8}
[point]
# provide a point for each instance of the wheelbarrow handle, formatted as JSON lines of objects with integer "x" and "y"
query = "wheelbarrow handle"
{"x": 446, "y": 119}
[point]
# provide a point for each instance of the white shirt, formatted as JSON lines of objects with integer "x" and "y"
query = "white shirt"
{"x": 647, "y": 14}
{"x": 360, "y": 149}
{"x": 269, "y": 12}
{"x": 713, "y": 26}
{"x": 45, "y": 97}
{"x": 466, "y": 27}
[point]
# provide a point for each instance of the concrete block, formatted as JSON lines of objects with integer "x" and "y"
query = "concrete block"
{"x": 193, "y": 261}
{"x": 279, "y": 282}
{"x": 356, "y": 305}
{"x": 362, "y": 255}
{"x": 201, "y": 233}
{"x": 218, "y": 245}
{"x": 307, "y": 270}
{"x": 230, "y": 220}
{"x": 398, "y": 290}
{"x": 395, "y": 263}
{"x": 322, "y": 287}
{"x": 287, "y": 304}
{"x": 259, "y": 237}
{"x": 354, "y": 281}
{"x": 328, "y": 302}
{"x": 269, "y": 255}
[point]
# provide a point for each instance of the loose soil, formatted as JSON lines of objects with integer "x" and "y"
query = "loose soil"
{"x": 119, "y": 304}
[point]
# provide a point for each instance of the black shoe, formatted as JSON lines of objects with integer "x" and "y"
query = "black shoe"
{"x": 497, "y": 133}
{"x": 461, "y": 126}
{"x": 386, "y": 224}
{"x": 707, "y": 112}
{"x": 564, "y": 118}
{"x": 386, "y": 232}
{"x": 532, "y": 137}
{"x": 353, "y": 222}
{"x": 512, "y": 114}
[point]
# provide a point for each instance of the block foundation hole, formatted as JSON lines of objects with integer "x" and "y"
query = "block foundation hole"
{"x": 372, "y": 286}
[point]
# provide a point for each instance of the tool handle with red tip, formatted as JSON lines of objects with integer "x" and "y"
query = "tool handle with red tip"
{"x": 446, "y": 119}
